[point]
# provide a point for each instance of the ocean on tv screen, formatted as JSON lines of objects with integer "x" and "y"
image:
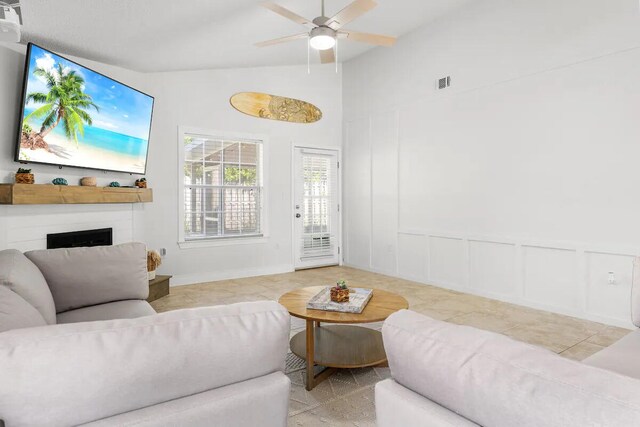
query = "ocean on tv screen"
{"x": 76, "y": 117}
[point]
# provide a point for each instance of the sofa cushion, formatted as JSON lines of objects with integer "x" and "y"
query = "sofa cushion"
{"x": 16, "y": 313}
{"x": 80, "y": 372}
{"x": 495, "y": 381}
{"x": 621, "y": 357}
{"x": 80, "y": 277}
{"x": 129, "y": 309}
{"x": 25, "y": 279}
{"x": 261, "y": 401}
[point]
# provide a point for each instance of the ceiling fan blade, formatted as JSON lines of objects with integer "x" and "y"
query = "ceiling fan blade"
{"x": 351, "y": 12}
{"x": 327, "y": 56}
{"x": 375, "y": 39}
{"x": 282, "y": 40}
{"x": 287, "y": 14}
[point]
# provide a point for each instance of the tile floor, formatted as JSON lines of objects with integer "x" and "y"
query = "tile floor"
{"x": 346, "y": 399}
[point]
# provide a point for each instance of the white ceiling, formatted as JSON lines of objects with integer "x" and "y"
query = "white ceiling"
{"x": 164, "y": 35}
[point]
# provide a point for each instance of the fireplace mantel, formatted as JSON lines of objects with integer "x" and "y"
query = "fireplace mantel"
{"x": 47, "y": 194}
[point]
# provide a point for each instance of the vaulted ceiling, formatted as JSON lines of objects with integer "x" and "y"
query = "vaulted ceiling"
{"x": 167, "y": 35}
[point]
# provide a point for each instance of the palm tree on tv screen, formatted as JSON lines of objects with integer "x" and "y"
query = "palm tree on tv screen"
{"x": 65, "y": 102}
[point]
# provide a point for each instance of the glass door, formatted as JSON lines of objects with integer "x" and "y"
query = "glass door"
{"x": 315, "y": 210}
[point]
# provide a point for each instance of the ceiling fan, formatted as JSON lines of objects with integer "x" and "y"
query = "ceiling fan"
{"x": 324, "y": 32}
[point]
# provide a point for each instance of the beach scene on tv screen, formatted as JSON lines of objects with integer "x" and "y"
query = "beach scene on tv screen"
{"x": 76, "y": 117}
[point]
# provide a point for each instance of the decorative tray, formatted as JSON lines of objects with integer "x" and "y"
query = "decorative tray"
{"x": 358, "y": 300}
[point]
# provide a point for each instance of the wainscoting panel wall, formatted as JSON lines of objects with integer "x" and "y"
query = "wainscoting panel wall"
{"x": 412, "y": 257}
{"x": 448, "y": 261}
{"x": 551, "y": 277}
{"x": 384, "y": 191}
{"x": 610, "y": 300}
{"x": 562, "y": 279}
{"x": 357, "y": 194}
{"x": 566, "y": 277}
{"x": 519, "y": 182}
{"x": 492, "y": 268}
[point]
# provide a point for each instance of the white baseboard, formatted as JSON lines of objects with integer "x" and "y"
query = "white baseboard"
{"x": 213, "y": 276}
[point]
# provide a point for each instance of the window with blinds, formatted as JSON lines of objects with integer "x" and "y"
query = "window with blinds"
{"x": 222, "y": 187}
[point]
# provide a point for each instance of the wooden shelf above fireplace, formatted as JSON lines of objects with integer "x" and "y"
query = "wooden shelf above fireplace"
{"x": 46, "y": 194}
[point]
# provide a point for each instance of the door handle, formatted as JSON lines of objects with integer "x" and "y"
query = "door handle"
{"x": 298, "y": 215}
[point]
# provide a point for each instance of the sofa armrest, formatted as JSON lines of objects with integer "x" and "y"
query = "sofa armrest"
{"x": 80, "y": 277}
{"x": 76, "y": 373}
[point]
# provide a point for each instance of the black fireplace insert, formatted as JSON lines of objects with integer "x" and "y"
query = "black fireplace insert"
{"x": 76, "y": 239}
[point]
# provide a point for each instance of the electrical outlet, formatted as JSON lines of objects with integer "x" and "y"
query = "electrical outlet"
{"x": 163, "y": 252}
{"x": 444, "y": 82}
{"x": 611, "y": 278}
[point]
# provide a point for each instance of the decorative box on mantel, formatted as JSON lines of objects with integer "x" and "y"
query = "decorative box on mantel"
{"x": 46, "y": 194}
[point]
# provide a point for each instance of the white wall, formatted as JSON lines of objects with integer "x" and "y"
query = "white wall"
{"x": 520, "y": 181}
{"x": 195, "y": 99}
{"x": 200, "y": 99}
{"x": 26, "y": 227}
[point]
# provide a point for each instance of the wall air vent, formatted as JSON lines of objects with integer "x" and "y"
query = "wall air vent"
{"x": 444, "y": 82}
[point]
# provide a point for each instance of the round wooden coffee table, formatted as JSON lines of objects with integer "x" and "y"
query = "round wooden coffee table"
{"x": 341, "y": 345}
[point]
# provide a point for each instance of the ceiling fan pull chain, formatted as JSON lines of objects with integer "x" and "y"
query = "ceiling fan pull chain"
{"x": 336, "y": 55}
{"x": 308, "y": 56}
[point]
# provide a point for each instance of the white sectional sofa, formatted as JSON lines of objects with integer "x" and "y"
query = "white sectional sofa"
{"x": 451, "y": 375}
{"x": 63, "y": 363}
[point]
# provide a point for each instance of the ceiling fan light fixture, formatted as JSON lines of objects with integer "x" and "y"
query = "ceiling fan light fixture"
{"x": 322, "y": 42}
{"x": 322, "y": 38}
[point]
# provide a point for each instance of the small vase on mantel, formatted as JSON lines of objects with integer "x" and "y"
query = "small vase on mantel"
{"x": 24, "y": 176}
{"x": 89, "y": 181}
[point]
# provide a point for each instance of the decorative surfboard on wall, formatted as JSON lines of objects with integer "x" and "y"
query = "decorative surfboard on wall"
{"x": 274, "y": 107}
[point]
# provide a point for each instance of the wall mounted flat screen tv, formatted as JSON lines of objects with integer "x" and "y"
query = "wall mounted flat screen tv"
{"x": 74, "y": 116}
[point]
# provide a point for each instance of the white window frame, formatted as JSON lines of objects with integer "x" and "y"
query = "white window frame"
{"x": 222, "y": 240}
